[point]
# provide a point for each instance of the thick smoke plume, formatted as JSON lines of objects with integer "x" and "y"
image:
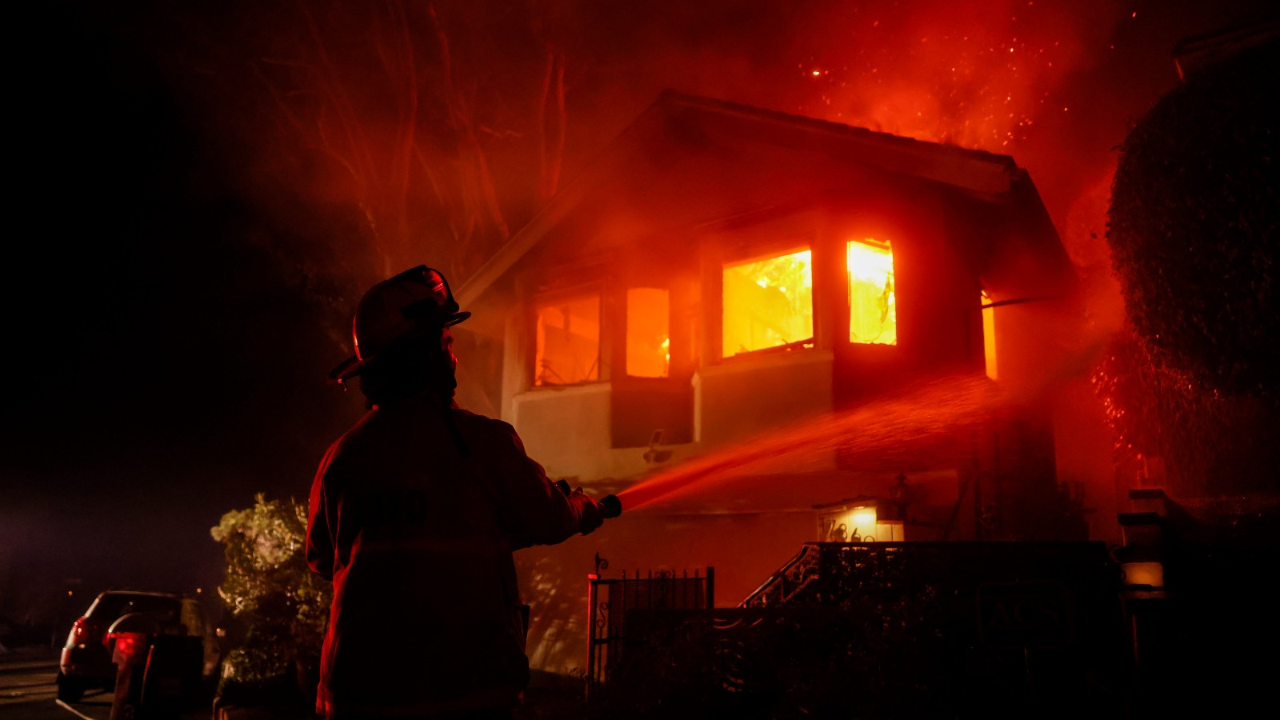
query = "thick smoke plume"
{"x": 442, "y": 126}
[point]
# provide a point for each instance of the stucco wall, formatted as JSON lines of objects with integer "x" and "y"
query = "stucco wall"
{"x": 748, "y": 395}
{"x": 568, "y": 431}
{"x": 565, "y": 429}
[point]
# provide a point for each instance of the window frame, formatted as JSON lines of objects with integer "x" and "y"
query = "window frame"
{"x": 747, "y": 252}
{"x": 562, "y": 294}
{"x": 848, "y": 289}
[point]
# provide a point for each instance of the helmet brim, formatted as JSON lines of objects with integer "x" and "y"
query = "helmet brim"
{"x": 354, "y": 365}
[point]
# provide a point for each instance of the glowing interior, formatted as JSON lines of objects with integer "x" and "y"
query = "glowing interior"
{"x": 859, "y": 524}
{"x": 768, "y": 303}
{"x": 648, "y": 341}
{"x": 1143, "y": 573}
{"x": 568, "y": 341}
{"x": 873, "y": 314}
{"x": 989, "y": 335}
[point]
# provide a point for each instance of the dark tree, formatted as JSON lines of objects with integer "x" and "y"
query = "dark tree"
{"x": 1193, "y": 224}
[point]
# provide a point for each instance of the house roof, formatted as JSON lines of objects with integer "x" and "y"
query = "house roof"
{"x": 704, "y": 120}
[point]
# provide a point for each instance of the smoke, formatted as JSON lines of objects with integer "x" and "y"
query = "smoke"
{"x": 436, "y": 130}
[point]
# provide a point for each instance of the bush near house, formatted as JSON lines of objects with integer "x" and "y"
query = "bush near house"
{"x": 1194, "y": 228}
{"x": 1194, "y": 224}
{"x": 280, "y": 608}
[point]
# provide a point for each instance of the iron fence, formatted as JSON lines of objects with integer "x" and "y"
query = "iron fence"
{"x": 878, "y": 630}
{"x": 610, "y": 601}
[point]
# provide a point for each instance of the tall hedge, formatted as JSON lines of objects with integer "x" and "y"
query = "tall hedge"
{"x": 1193, "y": 224}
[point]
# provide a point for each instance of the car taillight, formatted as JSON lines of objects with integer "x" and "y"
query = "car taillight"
{"x": 128, "y": 646}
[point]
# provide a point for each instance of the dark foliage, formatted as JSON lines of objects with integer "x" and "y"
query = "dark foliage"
{"x": 1210, "y": 442}
{"x": 1193, "y": 224}
{"x": 279, "y": 603}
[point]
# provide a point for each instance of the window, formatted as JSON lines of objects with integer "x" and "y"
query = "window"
{"x": 873, "y": 314}
{"x": 989, "y": 334}
{"x": 768, "y": 303}
{"x": 648, "y": 340}
{"x": 568, "y": 341}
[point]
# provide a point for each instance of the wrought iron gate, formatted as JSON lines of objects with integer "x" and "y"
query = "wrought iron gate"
{"x": 609, "y": 601}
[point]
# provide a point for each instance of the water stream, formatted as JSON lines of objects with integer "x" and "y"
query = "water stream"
{"x": 930, "y": 424}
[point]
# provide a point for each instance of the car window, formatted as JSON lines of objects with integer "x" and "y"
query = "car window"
{"x": 109, "y": 608}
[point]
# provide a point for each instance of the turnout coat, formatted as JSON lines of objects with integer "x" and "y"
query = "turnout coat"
{"x": 415, "y": 522}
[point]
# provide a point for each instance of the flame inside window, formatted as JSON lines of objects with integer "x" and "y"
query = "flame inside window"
{"x": 768, "y": 303}
{"x": 568, "y": 341}
{"x": 989, "y": 335}
{"x": 873, "y": 314}
{"x": 648, "y": 343}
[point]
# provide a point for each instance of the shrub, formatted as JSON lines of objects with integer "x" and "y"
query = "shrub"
{"x": 282, "y": 606}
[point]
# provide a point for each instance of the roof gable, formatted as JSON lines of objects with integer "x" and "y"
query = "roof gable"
{"x": 684, "y": 122}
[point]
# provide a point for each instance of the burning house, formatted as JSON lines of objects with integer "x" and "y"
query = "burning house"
{"x": 721, "y": 273}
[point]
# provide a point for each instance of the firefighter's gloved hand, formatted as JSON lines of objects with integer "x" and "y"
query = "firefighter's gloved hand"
{"x": 590, "y": 516}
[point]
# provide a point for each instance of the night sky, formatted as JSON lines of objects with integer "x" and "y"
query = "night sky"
{"x": 192, "y": 222}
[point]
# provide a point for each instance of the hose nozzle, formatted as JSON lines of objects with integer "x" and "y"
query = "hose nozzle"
{"x": 610, "y": 506}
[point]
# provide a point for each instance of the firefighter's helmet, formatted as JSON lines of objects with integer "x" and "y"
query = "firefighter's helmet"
{"x": 414, "y": 302}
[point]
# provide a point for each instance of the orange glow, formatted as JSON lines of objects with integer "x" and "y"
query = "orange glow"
{"x": 989, "y": 335}
{"x": 648, "y": 344}
{"x": 858, "y": 523}
{"x": 1143, "y": 573}
{"x": 568, "y": 342}
{"x": 873, "y": 312}
{"x": 957, "y": 73}
{"x": 768, "y": 303}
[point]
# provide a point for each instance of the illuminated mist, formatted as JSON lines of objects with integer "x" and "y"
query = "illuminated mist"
{"x": 445, "y": 125}
{"x": 933, "y": 423}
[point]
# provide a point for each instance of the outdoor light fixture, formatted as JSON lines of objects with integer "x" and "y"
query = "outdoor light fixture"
{"x": 655, "y": 454}
{"x": 1139, "y": 559}
{"x": 856, "y": 520}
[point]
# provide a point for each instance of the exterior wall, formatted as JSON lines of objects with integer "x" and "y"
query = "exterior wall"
{"x": 748, "y": 395}
{"x": 565, "y": 429}
{"x": 568, "y": 431}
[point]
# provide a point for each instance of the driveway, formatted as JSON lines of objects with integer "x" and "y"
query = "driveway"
{"x": 29, "y": 691}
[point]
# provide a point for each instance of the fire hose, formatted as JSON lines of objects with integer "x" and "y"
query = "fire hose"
{"x": 610, "y": 505}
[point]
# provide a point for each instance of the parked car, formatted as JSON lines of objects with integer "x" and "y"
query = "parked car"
{"x": 87, "y": 656}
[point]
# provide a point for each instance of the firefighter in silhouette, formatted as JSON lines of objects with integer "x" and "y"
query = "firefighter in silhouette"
{"x": 414, "y": 514}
